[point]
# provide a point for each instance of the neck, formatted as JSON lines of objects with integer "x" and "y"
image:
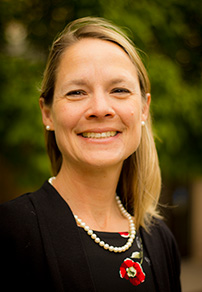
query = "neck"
{"x": 91, "y": 195}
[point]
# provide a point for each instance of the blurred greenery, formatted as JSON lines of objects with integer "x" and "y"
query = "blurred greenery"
{"x": 170, "y": 34}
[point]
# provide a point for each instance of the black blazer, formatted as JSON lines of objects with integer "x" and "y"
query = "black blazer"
{"x": 41, "y": 248}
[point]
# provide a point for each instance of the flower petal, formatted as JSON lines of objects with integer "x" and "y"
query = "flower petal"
{"x": 136, "y": 255}
{"x": 128, "y": 262}
{"x": 124, "y": 234}
{"x": 126, "y": 272}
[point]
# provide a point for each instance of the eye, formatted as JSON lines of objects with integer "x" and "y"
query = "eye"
{"x": 120, "y": 91}
{"x": 76, "y": 93}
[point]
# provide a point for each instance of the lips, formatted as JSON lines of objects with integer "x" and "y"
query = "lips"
{"x": 100, "y": 135}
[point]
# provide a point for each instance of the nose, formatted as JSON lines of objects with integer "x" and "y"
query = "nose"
{"x": 100, "y": 107}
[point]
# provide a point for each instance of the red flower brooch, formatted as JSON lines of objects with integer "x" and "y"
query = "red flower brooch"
{"x": 132, "y": 271}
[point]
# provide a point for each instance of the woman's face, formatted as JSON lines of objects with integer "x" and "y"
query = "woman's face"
{"x": 97, "y": 106}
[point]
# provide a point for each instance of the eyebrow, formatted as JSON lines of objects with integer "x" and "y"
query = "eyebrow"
{"x": 118, "y": 80}
{"x": 122, "y": 80}
{"x": 81, "y": 82}
{"x": 76, "y": 82}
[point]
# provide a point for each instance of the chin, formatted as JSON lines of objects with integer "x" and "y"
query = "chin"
{"x": 104, "y": 162}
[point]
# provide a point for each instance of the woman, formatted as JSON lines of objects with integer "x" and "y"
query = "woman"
{"x": 75, "y": 234}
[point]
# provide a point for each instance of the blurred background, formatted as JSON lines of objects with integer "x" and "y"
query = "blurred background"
{"x": 169, "y": 35}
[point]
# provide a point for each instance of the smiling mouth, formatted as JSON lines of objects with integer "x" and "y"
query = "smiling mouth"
{"x": 102, "y": 135}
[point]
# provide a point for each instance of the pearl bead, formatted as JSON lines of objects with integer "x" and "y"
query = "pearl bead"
{"x": 90, "y": 232}
{"x": 111, "y": 248}
{"x": 97, "y": 240}
{"x": 93, "y": 236}
{"x": 106, "y": 246}
{"x": 86, "y": 228}
{"x": 79, "y": 221}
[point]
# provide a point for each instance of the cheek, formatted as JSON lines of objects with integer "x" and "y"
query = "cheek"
{"x": 64, "y": 118}
{"x": 132, "y": 114}
{"x": 64, "y": 124}
{"x": 135, "y": 133}
{"x": 135, "y": 118}
{"x": 132, "y": 120}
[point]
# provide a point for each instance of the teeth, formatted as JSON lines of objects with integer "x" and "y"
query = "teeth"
{"x": 99, "y": 135}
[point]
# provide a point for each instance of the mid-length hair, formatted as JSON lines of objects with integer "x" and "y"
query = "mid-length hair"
{"x": 140, "y": 180}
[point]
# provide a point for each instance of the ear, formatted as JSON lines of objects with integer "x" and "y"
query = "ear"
{"x": 46, "y": 114}
{"x": 146, "y": 106}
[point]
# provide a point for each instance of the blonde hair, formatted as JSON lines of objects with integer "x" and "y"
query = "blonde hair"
{"x": 140, "y": 180}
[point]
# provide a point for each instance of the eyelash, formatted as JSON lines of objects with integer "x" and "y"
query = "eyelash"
{"x": 120, "y": 90}
{"x": 113, "y": 91}
{"x": 76, "y": 93}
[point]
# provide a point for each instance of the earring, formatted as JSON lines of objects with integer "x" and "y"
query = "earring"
{"x": 47, "y": 127}
{"x": 143, "y": 123}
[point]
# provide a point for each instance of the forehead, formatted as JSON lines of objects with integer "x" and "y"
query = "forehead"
{"x": 92, "y": 58}
{"x": 84, "y": 44}
{"x": 87, "y": 48}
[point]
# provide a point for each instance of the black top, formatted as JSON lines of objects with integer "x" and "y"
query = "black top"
{"x": 108, "y": 268}
{"x": 42, "y": 249}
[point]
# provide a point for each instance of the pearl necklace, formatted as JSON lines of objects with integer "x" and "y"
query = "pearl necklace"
{"x": 101, "y": 243}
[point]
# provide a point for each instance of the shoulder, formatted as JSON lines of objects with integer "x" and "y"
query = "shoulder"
{"x": 17, "y": 219}
{"x": 165, "y": 235}
{"x": 161, "y": 243}
{"x": 16, "y": 208}
{"x": 20, "y": 225}
{"x": 19, "y": 215}
{"x": 160, "y": 228}
{"x": 21, "y": 243}
{"x": 160, "y": 234}
{"x": 21, "y": 206}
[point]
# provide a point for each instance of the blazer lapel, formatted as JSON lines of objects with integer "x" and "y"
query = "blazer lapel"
{"x": 62, "y": 243}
